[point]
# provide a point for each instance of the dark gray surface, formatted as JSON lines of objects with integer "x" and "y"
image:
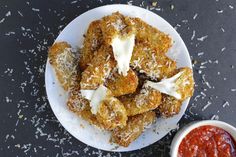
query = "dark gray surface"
{"x": 28, "y": 126}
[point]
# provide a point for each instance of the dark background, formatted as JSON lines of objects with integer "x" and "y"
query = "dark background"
{"x": 28, "y": 126}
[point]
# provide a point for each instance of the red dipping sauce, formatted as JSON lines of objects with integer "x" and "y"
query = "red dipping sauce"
{"x": 207, "y": 141}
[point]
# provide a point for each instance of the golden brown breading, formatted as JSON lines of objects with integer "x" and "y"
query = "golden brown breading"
{"x": 158, "y": 40}
{"x": 152, "y": 63}
{"x": 98, "y": 70}
{"x": 92, "y": 42}
{"x": 116, "y": 24}
{"x": 169, "y": 106}
{"x": 185, "y": 84}
{"x": 134, "y": 128}
{"x": 64, "y": 62}
{"x": 112, "y": 113}
{"x": 121, "y": 85}
{"x": 81, "y": 107}
{"x": 147, "y": 99}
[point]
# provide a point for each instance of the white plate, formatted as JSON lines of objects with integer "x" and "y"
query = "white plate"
{"x": 73, "y": 34}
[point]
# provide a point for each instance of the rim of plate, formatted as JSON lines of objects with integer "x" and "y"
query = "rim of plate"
{"x": 188, "y": 64}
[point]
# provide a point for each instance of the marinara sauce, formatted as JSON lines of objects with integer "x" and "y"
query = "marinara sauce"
{"x": 207, "y": 141}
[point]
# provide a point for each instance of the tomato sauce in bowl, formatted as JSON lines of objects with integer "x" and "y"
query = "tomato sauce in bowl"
{"x": 207, "y": 141}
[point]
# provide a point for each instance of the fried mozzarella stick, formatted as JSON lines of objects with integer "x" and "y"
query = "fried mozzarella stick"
{"x": 121, "y": 85}
{"x": 154, "y": 64}
{"x": 109, "y": 111}
{"x": 146, "y": 100}
{"x": 98, "y": 70}
{"x": 81, "y": 106}
{"x": 119, "y": 33}
{"x": 146, "y": 33}
{"x": 175, "y": 90}
{"x": 134, "y": 128}
{"x": 112, "y": 113}
{"x": 64, "y": 62}
{"x": 115, "y": 25}
{"x": 92, "y": 42}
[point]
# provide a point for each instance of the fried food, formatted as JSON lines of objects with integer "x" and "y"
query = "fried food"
{"x": 185, "y": 84}
{"x": 92, "y": 42}
{"x": 116, "y": 24}
{"x": 125, "y": 78}
{"x": 118, "y": 83}
{"x": 134, "y": 128}
{"x": 154, "y": 64}
{"x": 64, "y": 62}
{"x": 156, "y": 39}
{"x": 112, "y": 113}
{"x": 98, "y": 70}
{"x": 146, "y": 100}
{"x": 81, "y": 107}
{"x": 169, "y": 106}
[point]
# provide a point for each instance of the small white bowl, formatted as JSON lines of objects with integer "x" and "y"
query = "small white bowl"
{"x": 185, "y": 130}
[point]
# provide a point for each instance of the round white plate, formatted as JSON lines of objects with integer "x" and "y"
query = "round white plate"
{"x": 80, "y": 129}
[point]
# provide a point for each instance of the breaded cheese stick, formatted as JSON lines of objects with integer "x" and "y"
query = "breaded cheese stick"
{"x": 185, "y": 87}
{"x": 146, "y": 33}
{"x": 92, "y": 42}
{"x": 81, "y": 107}
{"x": 169, "y": 106}
{"x": 108, "y": 110}
{"x": 112, "y": 114}
{"x": 154, "y": 64}
{"x": 98, "y": 70}
{"x": 147, "y": 99}
{"x": 134, "y": 128}
{"x": 114, "y": 25}
{"x": 121, "y": 85}
{"x": 64, "y": 62}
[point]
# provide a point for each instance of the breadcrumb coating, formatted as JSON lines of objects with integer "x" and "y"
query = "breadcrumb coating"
{"x": 64, "y": 62}
{"x": 112, "y": 113}
{"x": 98, "y": 70}
{"x": 116, "y": 24}
{"x": 121, "y": 85}
{"x": 146, "y": 100}
{"x": 170, "y": 105}
{"x": 81, "y": 107}
{"x": 134, "y": 128}
{"x": 156, "y": 39}
{"x": 92, "y": 42}
{"x": 152, "y": 63}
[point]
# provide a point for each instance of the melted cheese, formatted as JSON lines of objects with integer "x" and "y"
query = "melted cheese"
{"x": 95, "y": 97}
{"x": 87, "y": 94}
{"x": 166, "y": 86}
{"x": 98, "y": 96}
{"x": 122, "y": 50}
